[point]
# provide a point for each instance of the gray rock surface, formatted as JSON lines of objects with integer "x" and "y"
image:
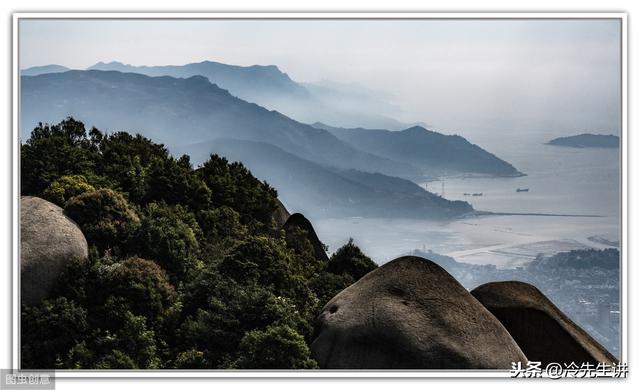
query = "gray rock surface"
{"x": 543, "y": 332}
{"x": 410, "y": 314}
{"x": 281, "y": 214}
{"x": 48, "y": 241}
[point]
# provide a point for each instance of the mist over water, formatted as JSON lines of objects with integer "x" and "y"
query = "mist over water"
{"x": 560, "y": 181}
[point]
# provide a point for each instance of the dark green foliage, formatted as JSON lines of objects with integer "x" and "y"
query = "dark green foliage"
{"x": 233, "y": 185}
{"x": 74, "y": 281}
{"x": 262, "y": 260}
{"x": 191, "y": 359}
{"x": 220, "y": 223}
{"x": 141, "y": 284}
{"x": 137, "y": 341}
{"x": 174, "y": 182}
{"x": 579, "y": 259}
{"x": 217, "y": 327}
{"x": 48, "y": 331}
{"x": 298, "y": 240}
{"x": 215, "y": 331}
{"x": 169, "y": 235}
{"x": 221, "y": 229}
{"x": 269, "y": 262}
{"x": 187, "y": 268}
{"x": 115, "y": 360}
{"x": 350, "y": 260}
{"x": 128, "y": 159}
{"x": 141, "y": 170}
{"x": 52, "y": 152}
{"x": 67, "y": 187}
{"x": 129, "y": 345}
{"x": 275, "y": 347}
{"x": 105, "y": 217}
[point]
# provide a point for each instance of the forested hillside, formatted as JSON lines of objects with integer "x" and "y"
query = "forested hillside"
{"x": 187, "y": 266}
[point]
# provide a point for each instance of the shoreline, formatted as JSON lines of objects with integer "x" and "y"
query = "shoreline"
{"x": 480, "y": 213}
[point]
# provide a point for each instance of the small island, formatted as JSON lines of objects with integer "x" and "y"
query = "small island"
{"x": 587, "y": 141}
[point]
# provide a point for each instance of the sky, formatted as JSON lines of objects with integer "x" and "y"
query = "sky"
{"x": 470, "y": 77}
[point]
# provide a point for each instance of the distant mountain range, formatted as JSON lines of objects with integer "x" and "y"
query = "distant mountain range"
{"x": 36, "y": 70}
{"x": 253, "y": 83}
{"x": 271, "y": 88}
{"x": 321, "y": 171}
{"x": 434, "y": 153}
{"x": 179, "y": 111}
{"x": 587, "y": 141}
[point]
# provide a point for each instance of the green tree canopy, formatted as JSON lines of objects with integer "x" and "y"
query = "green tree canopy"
{"x": 186, "y": 268}
{"x": 142, "y": 284}
{"x": 276, "y": 347}
{"x": 67, "y": 187}
{"x": 233, "y": 185}
{"x": 105, "y": 217}
{"x": 55, "y": 151}
{"x": 50, "y": 330}
{"x": 350, "y": 260}
{"x": 170, "y": 235}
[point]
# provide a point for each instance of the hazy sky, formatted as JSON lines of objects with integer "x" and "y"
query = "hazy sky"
{"x": 463, "y": 76}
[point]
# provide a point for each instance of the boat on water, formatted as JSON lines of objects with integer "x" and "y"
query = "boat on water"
{"x": 522, "y": 190}
{"x": 477, "y": 194}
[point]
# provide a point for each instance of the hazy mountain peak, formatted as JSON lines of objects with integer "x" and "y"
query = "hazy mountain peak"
{"x": 36, "y": 70}
{"x": 416, "y": 129}
{"x": 266, "y": 67}
{"x": 111, "y": 63}
{"x": 103, "y": 63}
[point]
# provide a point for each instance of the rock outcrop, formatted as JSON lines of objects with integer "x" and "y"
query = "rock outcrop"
{"x": 299, "y": 220}
{"x": 410, "y": 314}
{"x": 543, "y": 332}
{"x": 48, "y": 241}
{"x": 281, "y": 215}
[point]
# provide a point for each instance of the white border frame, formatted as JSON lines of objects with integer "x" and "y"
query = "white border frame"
{"x": 624, "y": 304}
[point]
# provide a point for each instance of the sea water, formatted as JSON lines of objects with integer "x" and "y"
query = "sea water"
{"x": 560, "y": 180}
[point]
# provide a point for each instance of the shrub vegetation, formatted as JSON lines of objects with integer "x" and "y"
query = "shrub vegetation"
{"x": 187, "y": 268}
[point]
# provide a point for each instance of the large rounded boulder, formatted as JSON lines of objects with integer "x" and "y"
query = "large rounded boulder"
{"x": 542, "y": 331}
{"x": 49, "y": 240}
{"x": 410, "y": 314}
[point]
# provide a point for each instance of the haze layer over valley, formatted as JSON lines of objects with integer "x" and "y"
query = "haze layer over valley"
{"x": 315, "y": 170}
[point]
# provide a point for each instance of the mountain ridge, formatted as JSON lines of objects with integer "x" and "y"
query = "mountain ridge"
{"x": 332, "y": 192}
{"x": 167, "y": 108}
{"x": 239, "y": 79}
{"x": 269, "y": 86}
{"x": 43, "y": 69}
{"x": 436, "y": 153}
